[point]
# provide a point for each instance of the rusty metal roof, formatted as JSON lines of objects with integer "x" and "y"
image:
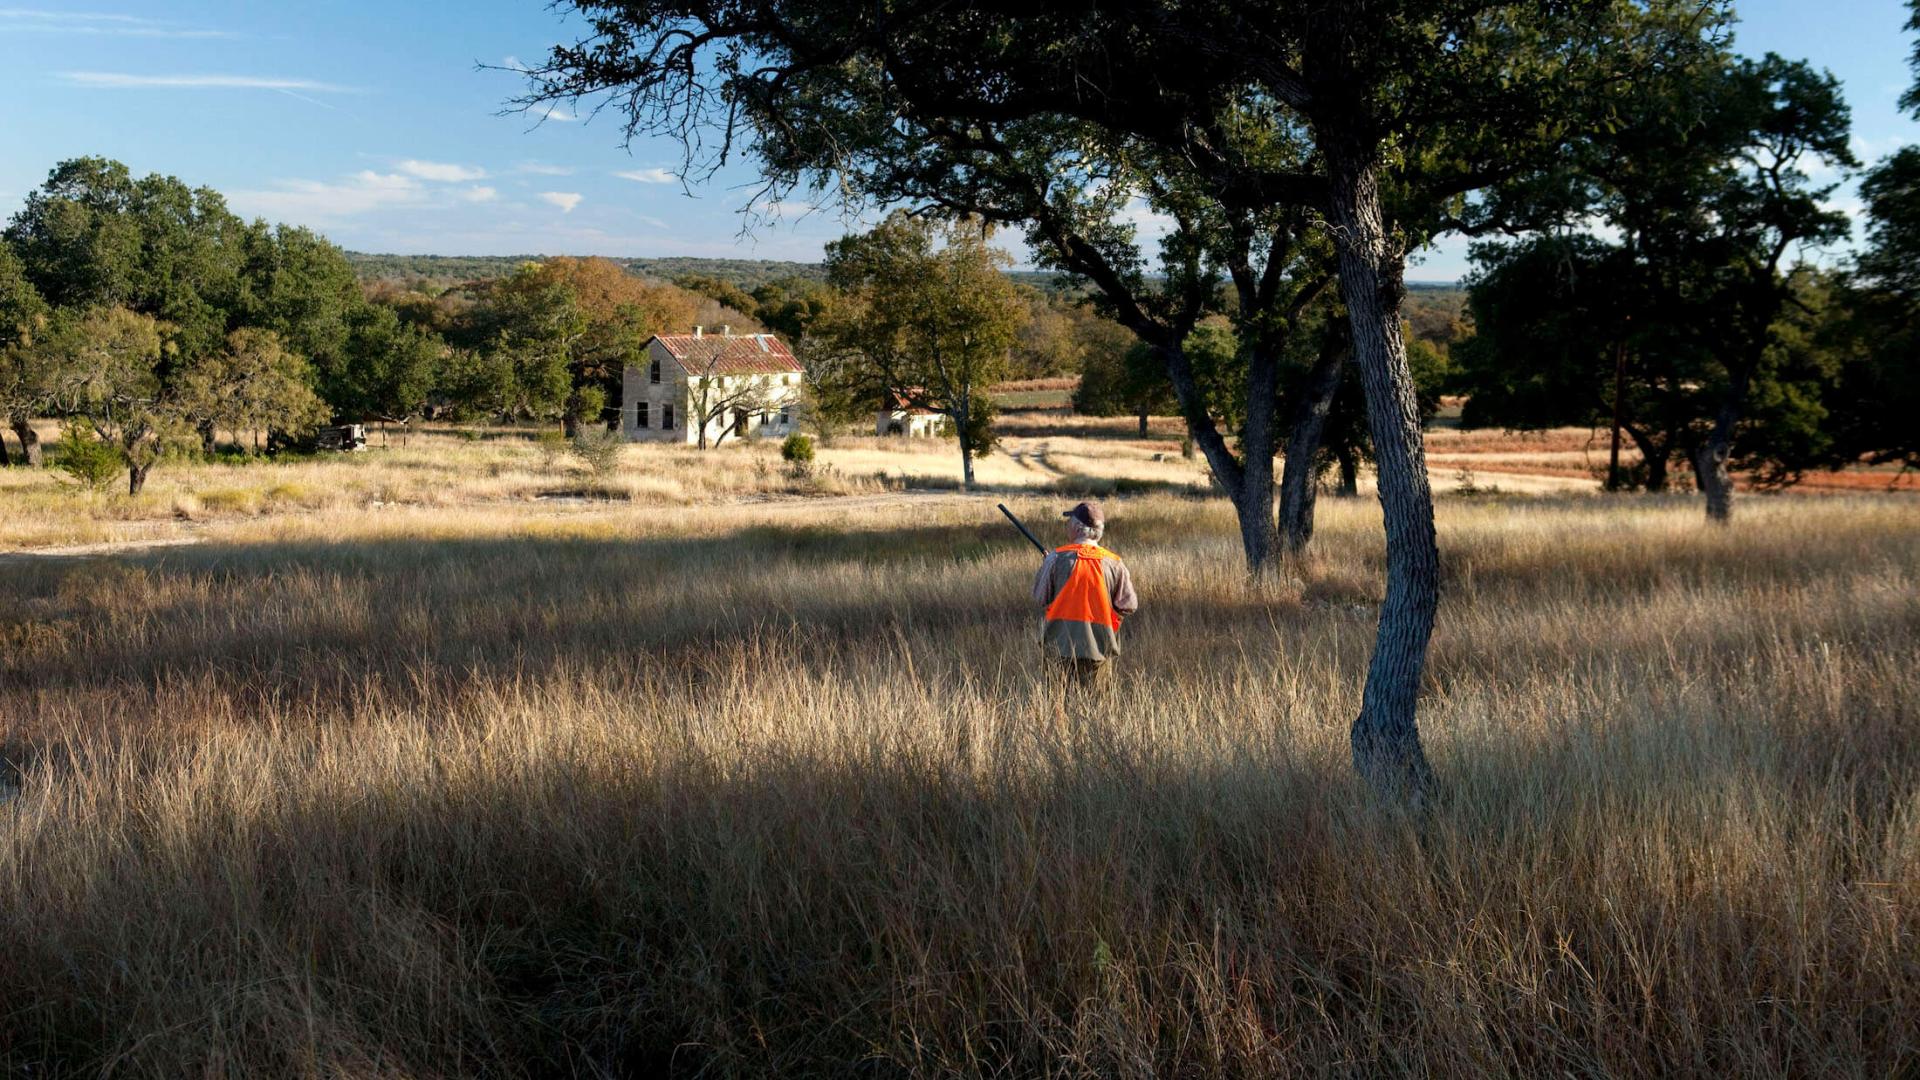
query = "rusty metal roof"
{"x": 730, "y": 354}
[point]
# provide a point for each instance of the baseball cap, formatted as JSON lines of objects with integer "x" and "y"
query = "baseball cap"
{"x": 1087, "y": 514}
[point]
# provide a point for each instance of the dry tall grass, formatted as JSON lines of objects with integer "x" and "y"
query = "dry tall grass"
{"x": 778, "y": 791}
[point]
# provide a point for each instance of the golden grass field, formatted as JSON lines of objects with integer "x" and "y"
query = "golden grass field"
{"x": 418, "y": 773}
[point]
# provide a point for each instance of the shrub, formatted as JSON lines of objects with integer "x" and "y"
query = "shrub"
{"x": 551, "y": 445}
{"x": 598, "y": 449}
{"x": 797, "y": 452}
{"x": 89, "y": 459}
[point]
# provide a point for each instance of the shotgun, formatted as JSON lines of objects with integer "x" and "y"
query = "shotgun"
{"x": 1037, "y": 545}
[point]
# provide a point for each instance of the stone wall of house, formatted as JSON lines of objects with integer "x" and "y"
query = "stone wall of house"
{"x": 655, "y": 403}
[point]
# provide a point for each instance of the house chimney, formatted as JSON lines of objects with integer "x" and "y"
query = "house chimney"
{"x": 697, "y": 328}
{"x": 726, "y": 330}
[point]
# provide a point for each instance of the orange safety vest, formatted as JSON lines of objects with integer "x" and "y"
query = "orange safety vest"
{"x": 1084, "y": 597}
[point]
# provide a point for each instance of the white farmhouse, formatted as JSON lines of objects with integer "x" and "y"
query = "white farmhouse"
{"x": 745, "y": 384}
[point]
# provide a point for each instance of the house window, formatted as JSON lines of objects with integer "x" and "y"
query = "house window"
{"x": 786, "y": 416}
{"x": 766, "y": 418}
{"x": 653, "y": 374}
{"x": 640, "y": 415}
{"x": 740, "y": 421}
{"x": 666, "y": 418}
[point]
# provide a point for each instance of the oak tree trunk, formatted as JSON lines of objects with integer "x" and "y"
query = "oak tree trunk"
{"x": 1710, "y": 460}
{"x": 1349, "y": 473}
{"x": 1253, "y": 506}
{"x": 6, "y": 457}
{"x": 966, "y": 443}
{"x": 1657, "y": 470}
{"x": 136, "y": 478}
{"x": 1253, "y": 502}
{"x": 1143, "y": 419}
{"x": 30, "y": 453}
{"x": 1248, "y": 478}
{"x": 1298, "y": 480}
{"x": 1385, "y": 736}
{"x": 1716, "y": 483}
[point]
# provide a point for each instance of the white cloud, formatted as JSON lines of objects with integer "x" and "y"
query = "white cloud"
{"x": 540, "y": 168}
{"x": 307, "y": 201}
{"x": 36, "y": 21}
{"x": 1149, "y": 224}
{"x": 649, "y": 176}
{"x": 68, "y": 16}
{"x": 480, "y": 193}
{"x": 512, "y": 63}
{"x": 565, "y": 200}
{"x": 435, "y": 170}
{"x": 555, "y": 113}
{"x": 116, "y": 80}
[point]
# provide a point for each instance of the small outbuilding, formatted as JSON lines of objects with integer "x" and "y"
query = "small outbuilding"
{"x": 897, "y": 417}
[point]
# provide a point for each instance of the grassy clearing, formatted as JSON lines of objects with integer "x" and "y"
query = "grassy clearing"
{"x": 777, "y": 789}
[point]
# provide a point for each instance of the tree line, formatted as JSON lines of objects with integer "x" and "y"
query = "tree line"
{"x": 152, "y": 320}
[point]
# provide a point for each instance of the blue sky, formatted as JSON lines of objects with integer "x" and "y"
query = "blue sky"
{"x": 373, "y": 122}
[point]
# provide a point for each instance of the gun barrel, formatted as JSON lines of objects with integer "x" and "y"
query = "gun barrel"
{"x": 1037, "y": 545}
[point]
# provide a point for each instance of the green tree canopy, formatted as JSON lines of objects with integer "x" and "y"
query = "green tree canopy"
{"x": 106, "y": 366}
{"x": 927, "y": 320}
{"x": 252, "y": 385}
{"x": 1690, "y": 312}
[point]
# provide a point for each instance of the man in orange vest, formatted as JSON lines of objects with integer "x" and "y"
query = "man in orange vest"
{"x": 1085, "y": 591}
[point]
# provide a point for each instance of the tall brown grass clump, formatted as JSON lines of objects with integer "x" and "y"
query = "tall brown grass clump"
{"x": 738, "y": 792}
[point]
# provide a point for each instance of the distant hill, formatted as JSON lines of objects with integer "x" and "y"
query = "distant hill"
{"x": 749, "y": 274}
{"x": 746, "y": 273}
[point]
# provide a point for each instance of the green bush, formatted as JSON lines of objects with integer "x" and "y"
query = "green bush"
{"x": 88, "y": 459}
{"x": 599, "y": 449}
{"x": 797, "y": 452}
{"x": 551, "y": 445}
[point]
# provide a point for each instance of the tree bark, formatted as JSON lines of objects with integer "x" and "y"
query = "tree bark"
{"x": 1710, "y": 460}
{"x": 1259, "y": 530}
{"x": 1710, "y": 473}
{"x": 1349, "y": 473}
{"x": 6, "y": 458}
{"x": 1654, "y": 457}
{"x": 1656, "y": 471}
{"x": 1253, "y": 505}
{"x": 136, "y": 478}
{"x": 1143, "y": 419}
{"x": 1298, "y": 484}
{"x": 962, "y": 418}
{"x": 30, "y": 453}
{"x": 1385, "y": 736}
{"x": 1248, "y": 479}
